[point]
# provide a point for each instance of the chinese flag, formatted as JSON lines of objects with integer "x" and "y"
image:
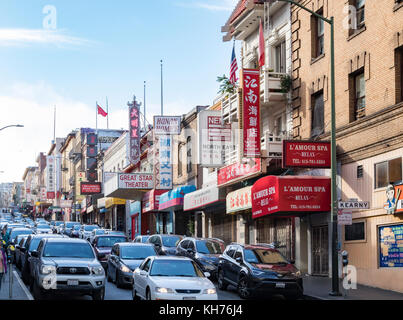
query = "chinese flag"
{"x": 101, "y": 111}
{"x": 261, "y": 46}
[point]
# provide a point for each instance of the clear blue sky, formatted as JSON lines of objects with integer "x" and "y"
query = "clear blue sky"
{"x": 102, "y": 48}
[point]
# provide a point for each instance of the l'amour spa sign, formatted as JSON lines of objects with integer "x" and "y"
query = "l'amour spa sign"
{"x": 307, "y": 154}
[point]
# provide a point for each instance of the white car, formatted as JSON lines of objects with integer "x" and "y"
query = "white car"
{"x": 172, "y": 278}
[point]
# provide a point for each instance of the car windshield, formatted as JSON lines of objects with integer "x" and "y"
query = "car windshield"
{"x": 170, "y": 241}
{"x": 76, "y": 227}
{"x": 99, "y": 231}
{"x": 208, "y": 247}
{"x": 15, "y": 233}
{"x": 137, "y": 252}
{"x": 68, "y": 250}
{"x": 264, "y": 256}
{"x": 175, "y": 268}
{"x": 34, "y": 244}
{"x": 144, "y": 239}
{"x": 90, "y": 228}
{"x": 43, "y": 226}
{"x": 109, "y": 241}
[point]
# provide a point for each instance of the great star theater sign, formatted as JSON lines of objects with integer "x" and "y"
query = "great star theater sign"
{"x": 307, "y": 154}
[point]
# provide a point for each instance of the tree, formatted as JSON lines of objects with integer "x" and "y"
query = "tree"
{"x": 226, "y": 87}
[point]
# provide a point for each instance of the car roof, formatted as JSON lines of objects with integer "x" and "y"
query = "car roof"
{"x": 40, "y": 236}
{"x": 69, "y": 240}
{"x": 167, "y": 235}
{"x": 21, "y": 229}
{"x": 134, "y": 244}
{"x": 171, "y": 258}
{"x": 110, "y": 235}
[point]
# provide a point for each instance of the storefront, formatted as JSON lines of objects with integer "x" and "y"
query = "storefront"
{"x": 278, "y": 201}
{"x": 150, "y": 206}
{"x": 205, "y": 202}
{"x": 117, "y": 213}
{"x": 135, "y": 219}
{"x": 101, "y": 212}
{"x": 172, "y": 218}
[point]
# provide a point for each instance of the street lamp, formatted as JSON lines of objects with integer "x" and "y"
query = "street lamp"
{"x": 13, "y": 125}
{"x": 335, "y": 265}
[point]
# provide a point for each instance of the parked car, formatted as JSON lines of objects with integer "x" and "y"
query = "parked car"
{"x": 258, "y": 270}
{"x": 31, "y": 245}
{"x": 96, "y": 232}
{"x": 74, "y": 267}
{"x": 103, "y": 245}
{"x": 124, "y": 259}
{"x": 75, "y": 231}
{"x": 171, "y": 278}
{"x": 205, "y": 252}
{"x": 12, "y": 242}
{"x": 43, "y": 228}
{"x": 19, "y": 243}
{"x": 86, "y": 231}
{"x": 68, "y": 226}
{"x": 114, "y": 232}
{"x": 55, "y": 226}
{"x": 165, "y": 244}
{"x": 141, "y": 239}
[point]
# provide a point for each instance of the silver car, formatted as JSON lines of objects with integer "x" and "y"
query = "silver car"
{"x": 61, "y": 265}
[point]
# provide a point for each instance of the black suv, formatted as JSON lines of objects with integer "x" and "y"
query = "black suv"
{"x": 258, "y": 269}
{"x": 165, "y": 244}
{"x": 204, "y": 251}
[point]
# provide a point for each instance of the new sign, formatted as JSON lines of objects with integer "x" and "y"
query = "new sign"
{"x": 251, "y": 113}
{"x": 90, "y": 188}
{"x": 307, "y": 154}
{"x": 139, "y": 181}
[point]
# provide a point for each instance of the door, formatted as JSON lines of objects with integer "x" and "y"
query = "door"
{"x": 320, "y": 251}
{"x": 134, "y": 227}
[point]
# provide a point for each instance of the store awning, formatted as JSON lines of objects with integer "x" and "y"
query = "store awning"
{"x": 174, "y": 199}
{"x": 101, "y": 203}
{"x": 129, "y": 186}
{"x": 109, "y": 202}
{"x": 239, "y": 200}
{"x": 203, "y": 198}
{"x": 151, "y": 200}
{"x": 103, "y": 210}
{"x": 290, "y": 195}
{"x": 135, "y": 208}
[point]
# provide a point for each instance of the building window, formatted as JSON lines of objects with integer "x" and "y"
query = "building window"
{"x": 354, "y": 232}
{"x": 318, "y": 115}
{"x": 189, "y": 154}
{"x": 180, "y": 164}
{"x": 357, "y": 95}
{"x": 399, "y": 74}
{"x": 318, "y": 35}
{"x": 360, "y": 7}
{"x": 388, "y": 172}
{"x": 360, "y": 172}
{"x": 281, "y": 57}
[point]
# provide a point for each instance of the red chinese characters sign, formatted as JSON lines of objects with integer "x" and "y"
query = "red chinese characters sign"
{"x": 251, "y": 113}
{"x": 290, "y": 194}
{"x": 134, "y": 132}
{"x": 239, "y": 200}
{"x": 239, "y": 171}
{"x": 306, "y": 154}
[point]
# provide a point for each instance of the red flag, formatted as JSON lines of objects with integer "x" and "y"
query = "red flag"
{"x": 261, "y": 46}
{"x": 101, "y": 111}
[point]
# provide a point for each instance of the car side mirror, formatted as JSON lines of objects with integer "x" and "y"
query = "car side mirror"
{"x": 207, "y": 274}
{"x": 35, "y": 254}
{"x": 190, "y": 251}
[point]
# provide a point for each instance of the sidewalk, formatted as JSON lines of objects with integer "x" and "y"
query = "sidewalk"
{"x": 318, "y": 288}
{"x": 18, "y": 292}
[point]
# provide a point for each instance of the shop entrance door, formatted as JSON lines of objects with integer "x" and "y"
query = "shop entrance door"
{"x": 320, "y": 251}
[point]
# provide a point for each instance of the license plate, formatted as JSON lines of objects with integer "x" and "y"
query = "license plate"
{"x": 280, "y": 285}
{"x": 189, "y": 298}
{"x": 72, "y": 282}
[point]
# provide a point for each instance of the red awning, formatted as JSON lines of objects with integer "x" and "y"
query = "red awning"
{"x": 151, "y": 200}
{"x": 290, "y": 194}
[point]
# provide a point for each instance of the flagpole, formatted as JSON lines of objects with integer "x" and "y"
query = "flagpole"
{"x": 145, "y": 126}
{"x": 107, "y": 111}
{"x": 162, "y": 93}
{"x": 96, "y": 116}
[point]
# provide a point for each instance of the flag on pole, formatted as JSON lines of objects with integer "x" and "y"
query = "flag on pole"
{"x": 234, "y": 67}
{"x": 101, "y": 111}
{"x": 261, "y": 46}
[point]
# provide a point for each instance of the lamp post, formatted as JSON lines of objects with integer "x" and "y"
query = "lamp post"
{"x": 335, "y": 265}
{"x": 13, "y": 125}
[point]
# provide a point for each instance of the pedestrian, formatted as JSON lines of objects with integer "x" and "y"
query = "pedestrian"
{"x": 3, "y": 263}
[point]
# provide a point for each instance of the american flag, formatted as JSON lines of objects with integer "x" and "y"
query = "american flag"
{"x": 234, "y": 67}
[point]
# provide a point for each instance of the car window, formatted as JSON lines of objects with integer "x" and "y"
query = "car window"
{"x": 191, "y": 245}
{"x": 264, "y": 256}
{"x": 175, "y": 268}
{"x": 230, "y": 252}
{"x": 109, "y": 241}
{"x": 40, "y": 246}
{"x": 144, "y": 239}
{"x": 184, "y": 244}
{"x": 208, "y": 247}
{"x": 146, "y": 266}
{"x": 170, "y": 241}
{"x": 238, "y": 254}
{"x": 137, "y": 252}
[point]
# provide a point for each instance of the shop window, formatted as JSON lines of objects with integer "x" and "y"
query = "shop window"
{"x": 355, "y": 232}
{"x": 388, "y": 172}
{"x": 318, "y": 115}
{"x": 357, "y": 95}
{"x": 318, "y": 35}
{"x": 399, "y": 74}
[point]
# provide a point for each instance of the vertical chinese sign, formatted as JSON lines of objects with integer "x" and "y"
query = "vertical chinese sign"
{"x": 164, "y": 128}
{"x": 50, "y": 183}
{"x": 251, "y": 113}
{"x": 134, "y": 131}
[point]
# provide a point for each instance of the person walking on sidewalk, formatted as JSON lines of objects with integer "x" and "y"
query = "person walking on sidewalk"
{"x": 3, "y": 263}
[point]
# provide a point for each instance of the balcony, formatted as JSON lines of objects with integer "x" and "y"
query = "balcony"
{"x": 270, "y": 86}
{"x": 272, "y": 145}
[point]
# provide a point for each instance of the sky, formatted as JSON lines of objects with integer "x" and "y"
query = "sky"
{"x": 71, "y": 54}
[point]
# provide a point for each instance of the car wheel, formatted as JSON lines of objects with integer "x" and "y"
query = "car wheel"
{"x": 148, "y": 294}
{"x": 38, "y": 295}
{"x": 243, "y": 290}
{"x": 99, "y": 295}
{"x": 222, "y": 285}
{"x": 135, "y": 296}
{"x": 117, "y": 280}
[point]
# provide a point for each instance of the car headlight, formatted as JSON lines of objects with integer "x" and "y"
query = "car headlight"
{"x": 98, "y": 271}
{"x": 163, "y": 290}
{"x": 48, "y": 269}
{"x": 124, "y": 268}
{"x": 297, "y": 274}
{"x": 209, "y": 291}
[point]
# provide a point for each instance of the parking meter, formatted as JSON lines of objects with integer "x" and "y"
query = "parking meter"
{"x": 344, "y": 256}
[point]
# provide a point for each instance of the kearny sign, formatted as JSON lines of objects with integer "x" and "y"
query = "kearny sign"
{"x": 307, "y": 154}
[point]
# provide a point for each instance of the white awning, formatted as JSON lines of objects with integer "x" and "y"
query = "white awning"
{"x": 202, "y": 198}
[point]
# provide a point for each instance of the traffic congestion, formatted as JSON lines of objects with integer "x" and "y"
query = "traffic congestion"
{"x": 71, "y": 260}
